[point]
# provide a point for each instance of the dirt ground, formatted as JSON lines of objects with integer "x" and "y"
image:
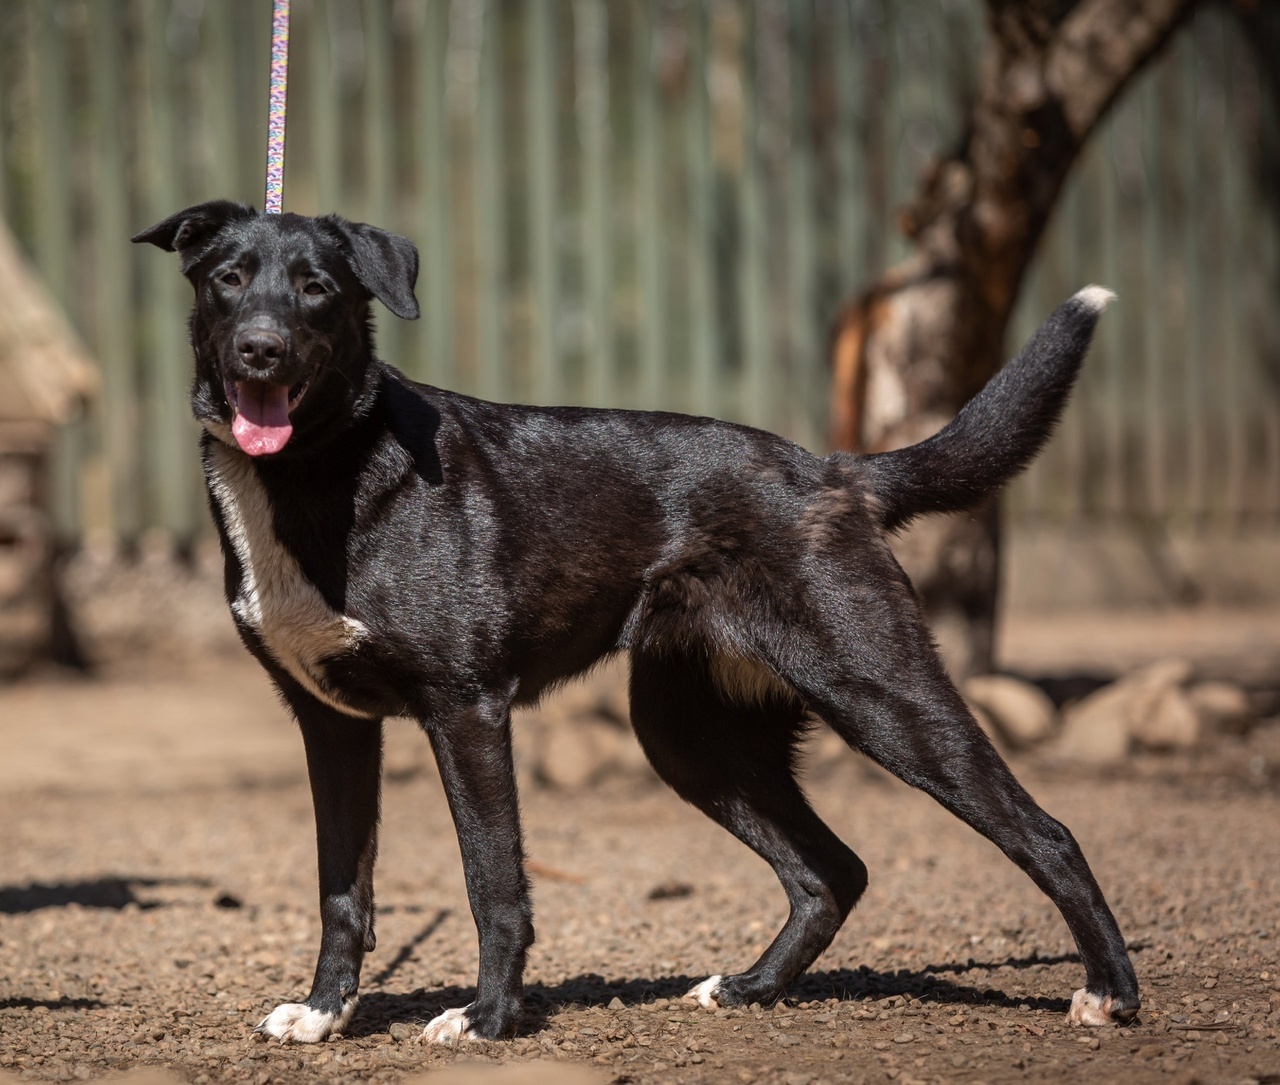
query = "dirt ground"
{"x": 157, "y": 898}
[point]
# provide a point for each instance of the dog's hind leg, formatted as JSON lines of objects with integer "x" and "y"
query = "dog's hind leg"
{"x": 895, "y": 704}
{"x": 473, "y": 751}
{"x": 344, "y": 762}
{"x": 728, "y": 747}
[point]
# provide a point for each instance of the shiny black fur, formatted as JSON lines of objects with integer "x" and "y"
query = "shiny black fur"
{"x": 494, "y": 551}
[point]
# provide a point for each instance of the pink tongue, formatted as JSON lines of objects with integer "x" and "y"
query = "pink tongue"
{"x": 262, "y": 423}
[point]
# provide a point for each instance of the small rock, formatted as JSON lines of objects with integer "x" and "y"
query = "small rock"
{"x": 1094, "y": 732}
{"x": 670, "y": 891}
{"x": 577, "y": 753}
{"x": 403, "y": 1030}
{"x": 615, "y": 1003}
{"x": 1223, "y": 708}
{"x": 1022, "y": 712}
{"x": 1148, "y": 704}
{"x": 1170, "y": 723}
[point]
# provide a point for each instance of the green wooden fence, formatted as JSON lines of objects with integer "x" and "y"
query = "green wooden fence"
{"x": 642, "y": 204}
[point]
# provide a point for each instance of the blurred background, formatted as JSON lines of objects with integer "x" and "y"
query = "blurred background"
{"x": 691, "y": 205}
{"x": 629, "y": 204}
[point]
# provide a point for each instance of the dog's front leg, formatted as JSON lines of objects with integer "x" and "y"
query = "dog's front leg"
{"x": 344, "y": 761}
{"x": 473, "y": 750}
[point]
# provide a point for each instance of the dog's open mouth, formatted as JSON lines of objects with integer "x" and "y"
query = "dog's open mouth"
{"x": 260, "y": 414}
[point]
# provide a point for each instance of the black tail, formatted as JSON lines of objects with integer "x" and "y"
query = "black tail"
{"x": 998, "y": 432}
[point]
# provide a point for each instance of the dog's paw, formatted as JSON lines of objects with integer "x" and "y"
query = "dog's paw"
{"x": 705, "y": 993}
{"x": 1091, "y": 1011}
{"x": 451, "y": 1027}
{"x": 298, "y": 1023}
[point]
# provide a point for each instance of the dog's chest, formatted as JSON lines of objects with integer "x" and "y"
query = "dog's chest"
{"x": 276, "y": 600}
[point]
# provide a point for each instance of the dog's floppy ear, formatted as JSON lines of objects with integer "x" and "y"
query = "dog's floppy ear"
{"x": 385, "y": 263}
{"x": 187, "y": 232}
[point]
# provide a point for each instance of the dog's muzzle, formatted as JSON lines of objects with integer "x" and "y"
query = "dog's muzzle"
{"x": 259, "y": 389}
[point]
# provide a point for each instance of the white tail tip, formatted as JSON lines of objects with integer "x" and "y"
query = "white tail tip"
{"x": 1096, "y": 298}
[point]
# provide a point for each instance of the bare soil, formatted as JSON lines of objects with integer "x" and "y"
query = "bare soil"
{"x": 157, "y": 898}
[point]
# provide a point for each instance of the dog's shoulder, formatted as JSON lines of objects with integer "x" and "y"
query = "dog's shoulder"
{"x": 414, "y": 414}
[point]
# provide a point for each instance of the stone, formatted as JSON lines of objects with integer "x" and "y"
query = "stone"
{"x": 1095, "y": 732}
{"x": 1022, "y": 712}
{"x": 1149, "y": 705}
{"x": 581, "y": 735}
{"x": 574, "y": 754}
{"x": 1223, "y": 708}
{"x": 1170, "y": 722}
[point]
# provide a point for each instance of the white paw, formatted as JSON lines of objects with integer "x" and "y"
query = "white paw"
{"x": 292, "y": 1021}
{"x": 450, "y": 1027}
{"x": 705, "y": 993}
{"x": 1090, "y": 1010}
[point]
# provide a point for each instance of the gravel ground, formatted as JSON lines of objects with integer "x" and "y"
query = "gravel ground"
{"x": 158, "y": 899}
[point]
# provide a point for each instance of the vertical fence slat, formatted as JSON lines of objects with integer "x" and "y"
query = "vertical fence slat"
{"x": 1154, "y": 297}
{"x": 53, "y": 244}
{"x": 1112, "y": 339}
{"x": 591, "y": 38}
{"x": 323, "y": 105}
{"x": 850, "y": 178}
{"x": 434, "y": 166}
{"x": 376, "y": 117}
{"x": 490, "y": 210}
{"x": 167, "y": 357}
{"x": 753, "y": 284}
{"x": 219, "y": 167}
{"x": 543, "y": 155}
{"x": 1263, "y": 322}
{"x": 893, "y": 117}
{"x": 113, "y": 331}
{"x": 248, "y": 28}
{"x": 1237, "y": 418}
{"x": 9, "y": 41}
{"x": 1074, "y": 456}
{"x": 650, "y": 206}
{"x": 1194, "y": 354}
{"x": 804, "y": 357}
{"x": 700, "y": 240}
{"x": 378, "y": 122}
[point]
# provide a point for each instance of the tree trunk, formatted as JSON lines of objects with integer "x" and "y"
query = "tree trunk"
{"x": 924, "y": 338}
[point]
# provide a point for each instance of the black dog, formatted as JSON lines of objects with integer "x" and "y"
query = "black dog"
{"x": 394, "y": 549}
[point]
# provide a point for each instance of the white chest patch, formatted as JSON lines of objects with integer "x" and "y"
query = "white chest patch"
{"x": 276, "y": 599}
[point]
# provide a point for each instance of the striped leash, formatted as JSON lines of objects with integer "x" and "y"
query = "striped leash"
{"x": 276, "y": 106}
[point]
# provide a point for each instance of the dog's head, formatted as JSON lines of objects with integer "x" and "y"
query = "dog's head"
{"x": 280, "y": 325}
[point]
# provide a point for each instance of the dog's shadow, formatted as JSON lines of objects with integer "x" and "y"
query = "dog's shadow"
{"x": 114, "y": 892}
{"x": 379, "y": 1010}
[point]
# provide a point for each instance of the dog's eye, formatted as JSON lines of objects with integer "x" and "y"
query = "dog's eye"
{"x": 231, "y": 279}
{"x": 314, "y": 289}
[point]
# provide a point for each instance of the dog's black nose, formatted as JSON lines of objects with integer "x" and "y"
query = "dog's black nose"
{"x": 260, "y": 348}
